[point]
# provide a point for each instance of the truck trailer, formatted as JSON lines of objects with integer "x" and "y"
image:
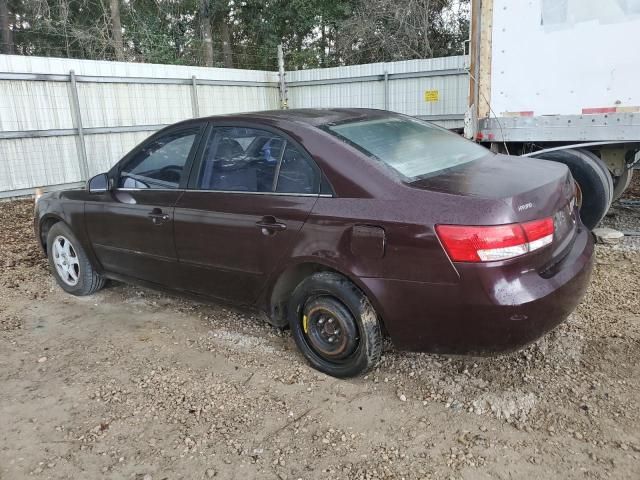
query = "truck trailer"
{"x": 558, "y": 79}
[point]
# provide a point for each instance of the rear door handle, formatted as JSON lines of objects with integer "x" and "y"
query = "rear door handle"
{"x": 270, "y": 225}
{"x": 158, "y": 217}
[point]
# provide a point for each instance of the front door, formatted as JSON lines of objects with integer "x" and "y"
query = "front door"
{"x": 251, "y": 193}
{"x": 131, "y": 225}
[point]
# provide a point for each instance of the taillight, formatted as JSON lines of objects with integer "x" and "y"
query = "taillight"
{"x": 491, "y": 243}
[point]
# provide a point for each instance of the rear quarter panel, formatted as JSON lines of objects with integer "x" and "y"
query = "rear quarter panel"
{"x": 412, "y": 250}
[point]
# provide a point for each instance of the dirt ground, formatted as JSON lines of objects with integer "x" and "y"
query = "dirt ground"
{"x": 132, "y": 384}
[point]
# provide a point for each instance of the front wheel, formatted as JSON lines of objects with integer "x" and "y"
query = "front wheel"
{"x": 334, "y": 325}
{"x": 69, "y": 262}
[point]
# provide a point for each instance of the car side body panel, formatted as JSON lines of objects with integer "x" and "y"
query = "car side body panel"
{"x": 375, "y": 228}
{"x": 222, "y": 247}
{"x": 126, "y": 239}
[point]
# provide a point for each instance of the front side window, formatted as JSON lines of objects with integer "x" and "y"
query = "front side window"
{"x": 241, "y": 159}
{"x": 159, "y": 164}
{"x": 411, "y": 147}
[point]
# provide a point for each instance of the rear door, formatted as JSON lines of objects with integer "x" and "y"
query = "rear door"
{"x": 249, "y": 196}
{"x": 131, "y": 225}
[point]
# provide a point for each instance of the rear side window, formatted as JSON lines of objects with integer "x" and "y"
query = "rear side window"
{"x": 159, "y": 164}
{"x": 240, "y": 159}
{"x": 411, "y": 147}
{"x": 296, "y": 173}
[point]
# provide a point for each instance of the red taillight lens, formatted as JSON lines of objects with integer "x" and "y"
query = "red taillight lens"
{"x": 538, "y": 229}
{"x": 468, "y": 244}
{"x": 492, "y": 243}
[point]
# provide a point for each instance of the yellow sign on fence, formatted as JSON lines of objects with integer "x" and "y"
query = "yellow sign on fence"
{"x": 431, "y": 95}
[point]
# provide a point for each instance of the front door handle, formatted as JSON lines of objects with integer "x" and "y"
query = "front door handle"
{"x": 158, "y": 217}
{"x": 269, "y": 225}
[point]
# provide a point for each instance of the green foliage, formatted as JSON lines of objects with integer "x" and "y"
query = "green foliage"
{"x": 244, "y": 33}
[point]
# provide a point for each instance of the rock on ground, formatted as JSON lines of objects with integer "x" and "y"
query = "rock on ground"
{"x": 137, "y": 384}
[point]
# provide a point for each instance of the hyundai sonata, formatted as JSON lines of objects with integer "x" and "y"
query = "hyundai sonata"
{"x": 343, "y": 224}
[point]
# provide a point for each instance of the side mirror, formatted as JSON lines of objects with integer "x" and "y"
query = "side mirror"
{"x": 99, "y": 183}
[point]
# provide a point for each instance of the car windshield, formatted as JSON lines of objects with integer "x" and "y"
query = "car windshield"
{"x": 411, "y": 147}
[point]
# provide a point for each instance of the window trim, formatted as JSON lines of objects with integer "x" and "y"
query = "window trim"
{"x": 276, "y": 175}
{"x": 210, "y": 131}
{"x": 198, "y": 127}
{"x": 236, "y": 192}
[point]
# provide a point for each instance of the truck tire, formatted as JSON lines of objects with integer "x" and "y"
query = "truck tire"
{"x": 621, "y": 183}
{"x": 608, "y": 177}
{"x": 594, "y": 180}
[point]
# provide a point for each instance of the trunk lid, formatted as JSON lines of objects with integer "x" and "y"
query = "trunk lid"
{"x": 533, "y": 189}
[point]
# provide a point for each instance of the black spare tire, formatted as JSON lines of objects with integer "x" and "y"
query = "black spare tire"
{"x": 334, "y": 325}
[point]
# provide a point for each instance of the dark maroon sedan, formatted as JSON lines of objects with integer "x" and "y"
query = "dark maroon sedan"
{"x": 339, "y": 223}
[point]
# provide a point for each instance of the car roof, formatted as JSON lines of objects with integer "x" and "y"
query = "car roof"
{"x": 310, "y": 116}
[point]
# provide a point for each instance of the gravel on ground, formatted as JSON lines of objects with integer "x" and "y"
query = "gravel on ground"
{"x": 133, "y": 384}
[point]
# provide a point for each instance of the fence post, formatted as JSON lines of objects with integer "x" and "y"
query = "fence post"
{"x": 282, "y": 83}
{"x": 386, "y": 90}
{"x": 77, "y": 124}
{"x": 194, "y": 97}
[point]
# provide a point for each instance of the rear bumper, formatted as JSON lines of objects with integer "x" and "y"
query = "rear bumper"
{"x": 491, "y": 309}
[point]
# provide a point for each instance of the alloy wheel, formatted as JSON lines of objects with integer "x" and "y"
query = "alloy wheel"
{"x": 66, "y": 260}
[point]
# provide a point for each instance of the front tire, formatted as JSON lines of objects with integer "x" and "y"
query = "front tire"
{"x": 69, "y": 262}
{"x": 334, "y": 325}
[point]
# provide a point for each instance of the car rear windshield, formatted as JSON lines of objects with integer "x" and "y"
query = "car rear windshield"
{"x": 413, "y": 148}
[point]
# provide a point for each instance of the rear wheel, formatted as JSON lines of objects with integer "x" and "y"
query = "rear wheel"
{"x": 334, "y": 325}
{"x": 69, "y": 262}
{"x": 592, "y": 177}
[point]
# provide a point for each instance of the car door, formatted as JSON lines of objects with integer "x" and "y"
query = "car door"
{"x": 130, "y": 225}
{"x": 248, "y": 197}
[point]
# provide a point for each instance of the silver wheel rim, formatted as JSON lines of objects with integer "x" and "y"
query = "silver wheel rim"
{"x": 66, "y": 260}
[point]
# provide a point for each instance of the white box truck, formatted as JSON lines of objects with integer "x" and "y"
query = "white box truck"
{"x": 560, "y": 80}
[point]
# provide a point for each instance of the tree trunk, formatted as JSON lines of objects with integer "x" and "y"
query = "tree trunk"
{"x": 323, "y": 44}
{"x": 116, "y": 29}
{"x": 6, "y": 39}
{"x": 227, "y": 48}
{"x": 428, "y": 51}
{"x": 207, "y": 37}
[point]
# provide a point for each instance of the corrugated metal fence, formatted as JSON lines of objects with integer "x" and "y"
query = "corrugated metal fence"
{"x": 62, "y": 121}
{"x": 434, "y": 89}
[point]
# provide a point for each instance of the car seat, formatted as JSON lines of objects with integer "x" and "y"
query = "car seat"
{"x": 228, "y": 170}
